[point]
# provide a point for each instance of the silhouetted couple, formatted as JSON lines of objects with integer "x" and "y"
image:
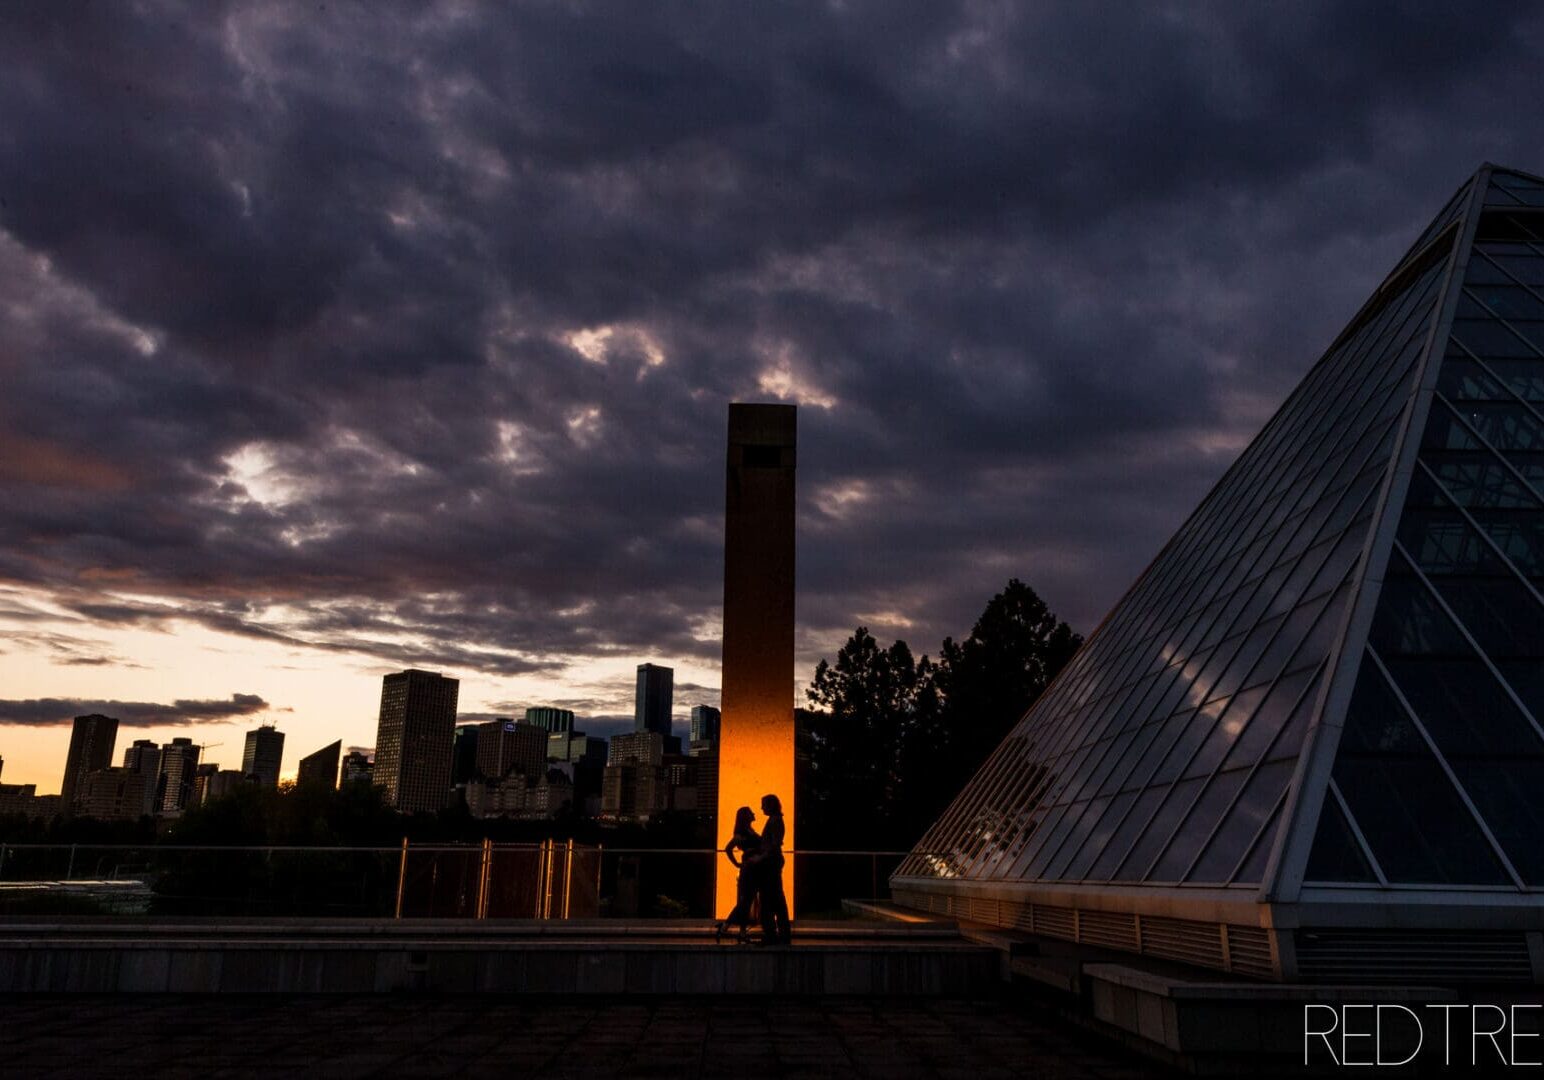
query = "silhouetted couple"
{"x": 760, "y": 862}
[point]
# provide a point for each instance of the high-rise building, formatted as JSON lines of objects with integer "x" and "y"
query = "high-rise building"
{"x": 321, "y": 768}
{"x": 553, "y": 720}
{"x": 704, "y": 730}
{"x": 636, "y": 748}
{"x": 414, "y": 739}
{"x": 218, "y": 783}
{"x": 756, "y": 738}
{"x": 91, "y": 748}
{"x": 634, "y": 785}
{"x": 357, "y": 768}
{"x": 111, "y": 795}
{"x": 143, "y": 756}
{"x": 202, "y": 775}
{"x": 1307, "y": 743}
{"x": 263, "y": 754}
{"x": 654, "y": 699}
{"x": 505, "y": 746}
{"x": 179, "y": 765}
{"x": 463, "y": 755}
{"x": 572, "y": 746}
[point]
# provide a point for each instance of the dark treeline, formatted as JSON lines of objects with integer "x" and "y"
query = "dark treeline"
{"x": 892, "y": 738}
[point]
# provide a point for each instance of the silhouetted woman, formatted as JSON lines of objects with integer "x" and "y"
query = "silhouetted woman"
{"x": 769, "y": 870}
{"x": 748, "y": 844}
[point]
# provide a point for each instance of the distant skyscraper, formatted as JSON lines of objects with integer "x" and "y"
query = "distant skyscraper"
{"x": 356, "y": 767}
{"x": 144, "y": 757}
{"x": 704, "y": 734}
{"x": 651, "y": 710}
{"x": 206, "y": 772}
{"x": 321, "y": 768}
{"x": 463, "y": 755}
{"x": 503, "y": 747}
{"x": 637, "y": 748}
{"x": 179, "y": 763}
{"x": 263, "y": 754}
{"x": 571, "y": 746}
{"x": 220, "y": 783}
{"x": 413, "y": 740}
{"x": 634, "y": 784}
{"x": 91, "y": 748}
{"x": 110, "y": 795}
{"x": 555, "y": 721}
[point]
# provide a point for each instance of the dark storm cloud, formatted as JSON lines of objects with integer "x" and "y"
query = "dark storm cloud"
{"x": 409, "y": 330}
{"x": 58, "y": 712}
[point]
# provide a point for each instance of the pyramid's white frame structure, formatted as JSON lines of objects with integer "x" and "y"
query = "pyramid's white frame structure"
{"x": 1363, "y": 558}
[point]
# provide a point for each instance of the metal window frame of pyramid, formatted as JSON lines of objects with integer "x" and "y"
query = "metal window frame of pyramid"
{"x": 1020, "y": 844}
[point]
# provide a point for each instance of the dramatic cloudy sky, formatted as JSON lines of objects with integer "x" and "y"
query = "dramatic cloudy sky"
{"x": 339, "y": 338}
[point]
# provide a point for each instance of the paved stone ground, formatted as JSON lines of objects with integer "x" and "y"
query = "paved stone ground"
{"x": 399, "y": 1037}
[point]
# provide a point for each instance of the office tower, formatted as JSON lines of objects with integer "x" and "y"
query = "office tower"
{"x": 220, "y": 782}
{"x": 202, "y": 776}
{"x": 263, "y": 754}
{"x": 504, "y": 747}
{"x": 414, "y": 739}
{"x": 573, "y": 746}
{"x": 555, "y": 721}
{"x": 653, "y": 701}
{"x": 179, "y": 762}
{"x": 704, "y": 730}
{"x": 756, "y": 735}
{"x": 143, "y": 756}
{"x": 111, "y": 795}
{"x": 634, "y": 785}
{"x": 91, "y": 748}
{"x": 636, "y": 748}
{"x": 320, "y": 769}
{"x": 1306, "y": 743}
{"x": 463, "y": 755}
{"x": 704, "y": 777}
{"x": 2, "y": 766}
{"x": 357, "y": 767}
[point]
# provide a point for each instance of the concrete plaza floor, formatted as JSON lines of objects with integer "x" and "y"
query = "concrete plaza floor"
{"x": 145, "y": 1037}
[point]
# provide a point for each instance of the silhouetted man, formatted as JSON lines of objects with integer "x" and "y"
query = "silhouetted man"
{"x": 769, "y": 864}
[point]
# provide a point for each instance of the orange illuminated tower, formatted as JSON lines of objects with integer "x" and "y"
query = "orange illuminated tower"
{"x": 756, "y": 744}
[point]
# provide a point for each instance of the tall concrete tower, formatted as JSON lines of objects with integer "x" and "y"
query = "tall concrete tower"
{"x": 756, "y": 738}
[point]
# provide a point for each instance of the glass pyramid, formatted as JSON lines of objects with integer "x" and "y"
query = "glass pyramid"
{"x": 1332, "y": 676}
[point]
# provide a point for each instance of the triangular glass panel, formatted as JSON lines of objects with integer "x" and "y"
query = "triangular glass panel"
{"x": 1459, "y": 624}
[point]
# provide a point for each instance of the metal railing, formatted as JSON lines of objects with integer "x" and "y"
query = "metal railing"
{"x": 554, "y": 879}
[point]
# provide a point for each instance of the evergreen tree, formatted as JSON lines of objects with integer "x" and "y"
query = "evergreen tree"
{"x": 891, "y": 739}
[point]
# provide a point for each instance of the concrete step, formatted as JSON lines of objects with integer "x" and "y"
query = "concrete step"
{"x": 208, "y": 962}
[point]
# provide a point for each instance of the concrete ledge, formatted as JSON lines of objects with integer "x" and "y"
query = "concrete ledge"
{"x": 40, "y": 927}
{"x": 1205, "y": 1021}
{"x": 157, "y": 958}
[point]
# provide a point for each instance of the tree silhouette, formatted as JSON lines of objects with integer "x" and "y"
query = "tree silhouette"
{"x": 891, "y": 739}
{"x": 992, "y": 678}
